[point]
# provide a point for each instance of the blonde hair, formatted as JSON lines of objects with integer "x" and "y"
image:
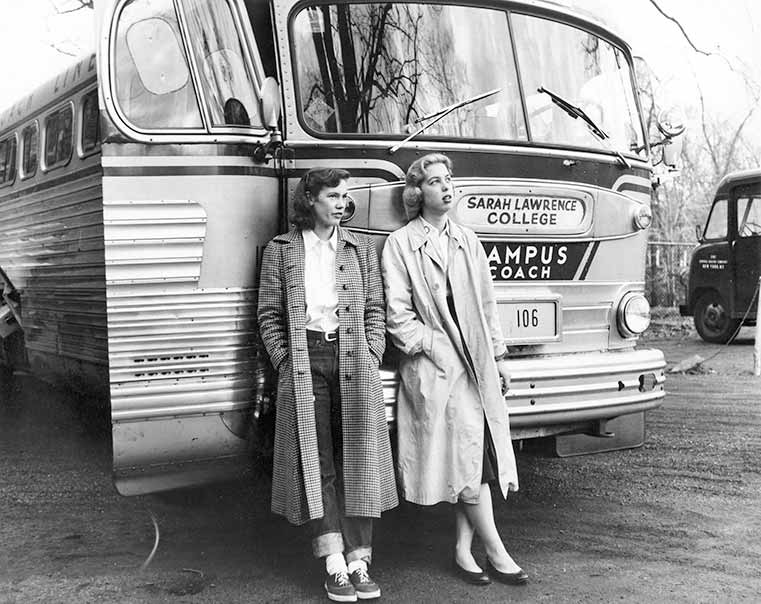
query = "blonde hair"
{"x": 412, "y": 196}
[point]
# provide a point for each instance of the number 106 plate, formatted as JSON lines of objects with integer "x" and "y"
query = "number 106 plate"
{"x": 530, "y": 321}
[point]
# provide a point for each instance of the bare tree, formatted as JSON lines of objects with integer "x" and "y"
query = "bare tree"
{"x": 715, "y": 146}
{"x": 65, "y": 7}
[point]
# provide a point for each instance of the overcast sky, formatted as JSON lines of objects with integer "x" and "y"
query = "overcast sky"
{"x": 29, "y": 28}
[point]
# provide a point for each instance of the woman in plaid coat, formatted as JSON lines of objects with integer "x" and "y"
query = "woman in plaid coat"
{"x": 322, "y": 321}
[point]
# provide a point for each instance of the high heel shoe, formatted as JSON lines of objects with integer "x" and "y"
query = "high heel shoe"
{"x": 518, "y": 578}
{"x": 474, "y": 578}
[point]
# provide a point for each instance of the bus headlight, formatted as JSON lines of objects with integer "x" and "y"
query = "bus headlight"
{"x": 633, "y": 314}
{"x": 349, "y": 210}
{"x": 643, "y": 217}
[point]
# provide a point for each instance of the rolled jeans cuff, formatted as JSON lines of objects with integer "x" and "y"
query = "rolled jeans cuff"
{"x": 361, "y": 553}
{"x": 326, "y": 544}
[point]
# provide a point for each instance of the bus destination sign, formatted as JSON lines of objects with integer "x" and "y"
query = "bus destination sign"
{"x": 532, "y": 211}
{"x": 545, "y": 261}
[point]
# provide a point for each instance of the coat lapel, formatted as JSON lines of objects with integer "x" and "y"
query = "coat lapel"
{"x": 419, "y": 240}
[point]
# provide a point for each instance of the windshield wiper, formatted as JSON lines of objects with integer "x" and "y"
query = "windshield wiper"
{"x": 440, "y": 114}
{"x": 576, "y": 112}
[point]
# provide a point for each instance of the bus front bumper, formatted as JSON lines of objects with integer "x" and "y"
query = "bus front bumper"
{"x": 573, "y": 392}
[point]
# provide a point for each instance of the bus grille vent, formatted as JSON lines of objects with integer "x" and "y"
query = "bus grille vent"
{"x": 172, "y": 366}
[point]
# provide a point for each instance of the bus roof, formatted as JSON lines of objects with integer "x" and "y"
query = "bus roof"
{"x": 76, "y": 75}
{"x": 575, "y": 12}
{"x": 80, "y": 72}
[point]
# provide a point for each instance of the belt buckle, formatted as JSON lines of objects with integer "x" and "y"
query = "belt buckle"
{"x": 331, "y": 336}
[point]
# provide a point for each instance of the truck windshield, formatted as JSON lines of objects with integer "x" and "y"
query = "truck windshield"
{"x": 377, "y": 69}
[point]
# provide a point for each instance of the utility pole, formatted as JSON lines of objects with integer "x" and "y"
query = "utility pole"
{"x": 757, "y": 345}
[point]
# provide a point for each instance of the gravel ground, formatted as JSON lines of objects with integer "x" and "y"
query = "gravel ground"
{"x": 676, "y": 520}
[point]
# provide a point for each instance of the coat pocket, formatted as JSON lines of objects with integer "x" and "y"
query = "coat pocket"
{"x": 441, "y": 352}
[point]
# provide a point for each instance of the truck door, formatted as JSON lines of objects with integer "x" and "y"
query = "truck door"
{"x": 712, "y": 277}
{"x": 190, "y": 197}
{"x": 747, "y": 249}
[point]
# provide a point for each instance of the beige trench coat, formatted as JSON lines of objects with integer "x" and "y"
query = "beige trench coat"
{"x": 442, "y": 403}
{"x": 367, "y": 462}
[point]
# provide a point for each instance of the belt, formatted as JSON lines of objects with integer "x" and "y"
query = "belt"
{"x": 325, "y": 336}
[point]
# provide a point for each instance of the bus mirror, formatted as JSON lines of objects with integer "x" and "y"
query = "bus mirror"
{"x": 670, "y": 122}
{"x": 270, "y": 103}
{"x": 698, "y": 233}
{"x": 672, "y": 149}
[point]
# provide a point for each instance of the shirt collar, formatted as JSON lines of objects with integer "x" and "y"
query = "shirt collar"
{"x": 311, "y": 240}
{"x": 432, "y": 230}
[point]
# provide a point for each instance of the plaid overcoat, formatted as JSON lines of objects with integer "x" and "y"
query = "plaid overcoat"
{"x": 370, "y": 486}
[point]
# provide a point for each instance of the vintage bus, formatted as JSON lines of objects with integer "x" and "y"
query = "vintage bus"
{"x": 139, "y": 187}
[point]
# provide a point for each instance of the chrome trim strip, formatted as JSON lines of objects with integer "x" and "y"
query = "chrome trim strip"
{"x": 529, "y": 149}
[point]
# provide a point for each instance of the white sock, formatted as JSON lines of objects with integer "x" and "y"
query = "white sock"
{"x": 357, "y": 564}
{"x": 335, "y": 563}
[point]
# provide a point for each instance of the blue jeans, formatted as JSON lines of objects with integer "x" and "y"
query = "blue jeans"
{"x": 334, "y": 532}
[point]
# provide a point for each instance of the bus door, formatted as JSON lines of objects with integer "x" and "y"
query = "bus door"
{"x": 747, "y": 249}
{"x": 191, "y": 194}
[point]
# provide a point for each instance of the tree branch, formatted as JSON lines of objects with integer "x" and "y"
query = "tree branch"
{"x": 736, "y": 138}
{"x": 82, "y": 4}
{"x": 679, "y": 25}
{"x": 709, "y": 143}
{"x": 57, "y": 48}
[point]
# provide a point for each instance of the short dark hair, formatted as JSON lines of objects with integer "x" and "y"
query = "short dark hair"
{"x": 310, "y": 185}
{"x": 412, "y": 194}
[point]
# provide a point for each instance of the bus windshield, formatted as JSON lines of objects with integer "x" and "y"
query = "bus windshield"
{"x": 587, "y": 71}
{"x": 388, "y": 69}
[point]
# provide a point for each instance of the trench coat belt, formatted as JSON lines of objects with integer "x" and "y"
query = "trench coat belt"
{"x": 324, "y": 336}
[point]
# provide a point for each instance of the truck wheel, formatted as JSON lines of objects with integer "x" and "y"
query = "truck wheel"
{"x": 712, "y": 319}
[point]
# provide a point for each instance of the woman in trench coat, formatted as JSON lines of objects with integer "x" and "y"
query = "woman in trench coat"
{"x": 322, "y": 321}
{"x": 453, "y": 427}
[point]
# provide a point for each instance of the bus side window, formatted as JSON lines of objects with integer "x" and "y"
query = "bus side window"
{"x": 29, "y": 145}
{"x": 749, "y": 216}
{"x": 151, "y": 77}
{"x": 261, "y": 23}
{"x": 90, "y": 138}
{"x": 8, "y": 160}
{"x": 58, "y": 135}
{"x": 220, "y": 58}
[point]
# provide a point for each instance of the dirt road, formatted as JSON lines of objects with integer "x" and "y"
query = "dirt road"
{"x": 677, "y": 520}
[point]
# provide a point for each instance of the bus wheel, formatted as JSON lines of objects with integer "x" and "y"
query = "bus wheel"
{"x": 712, "y": 320}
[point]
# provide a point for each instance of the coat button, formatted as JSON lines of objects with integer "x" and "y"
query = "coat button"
{"x": 435, "y": 287}
{"x": 340, "y": 268}
{"x": 344, "y": 286}
{"x": 301, "y": 372}
{"x": 349, "y": 353}
{"x": 348, "y": 377}
{"x": 348, "y": 308}
{"x": 349, "y": 330}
